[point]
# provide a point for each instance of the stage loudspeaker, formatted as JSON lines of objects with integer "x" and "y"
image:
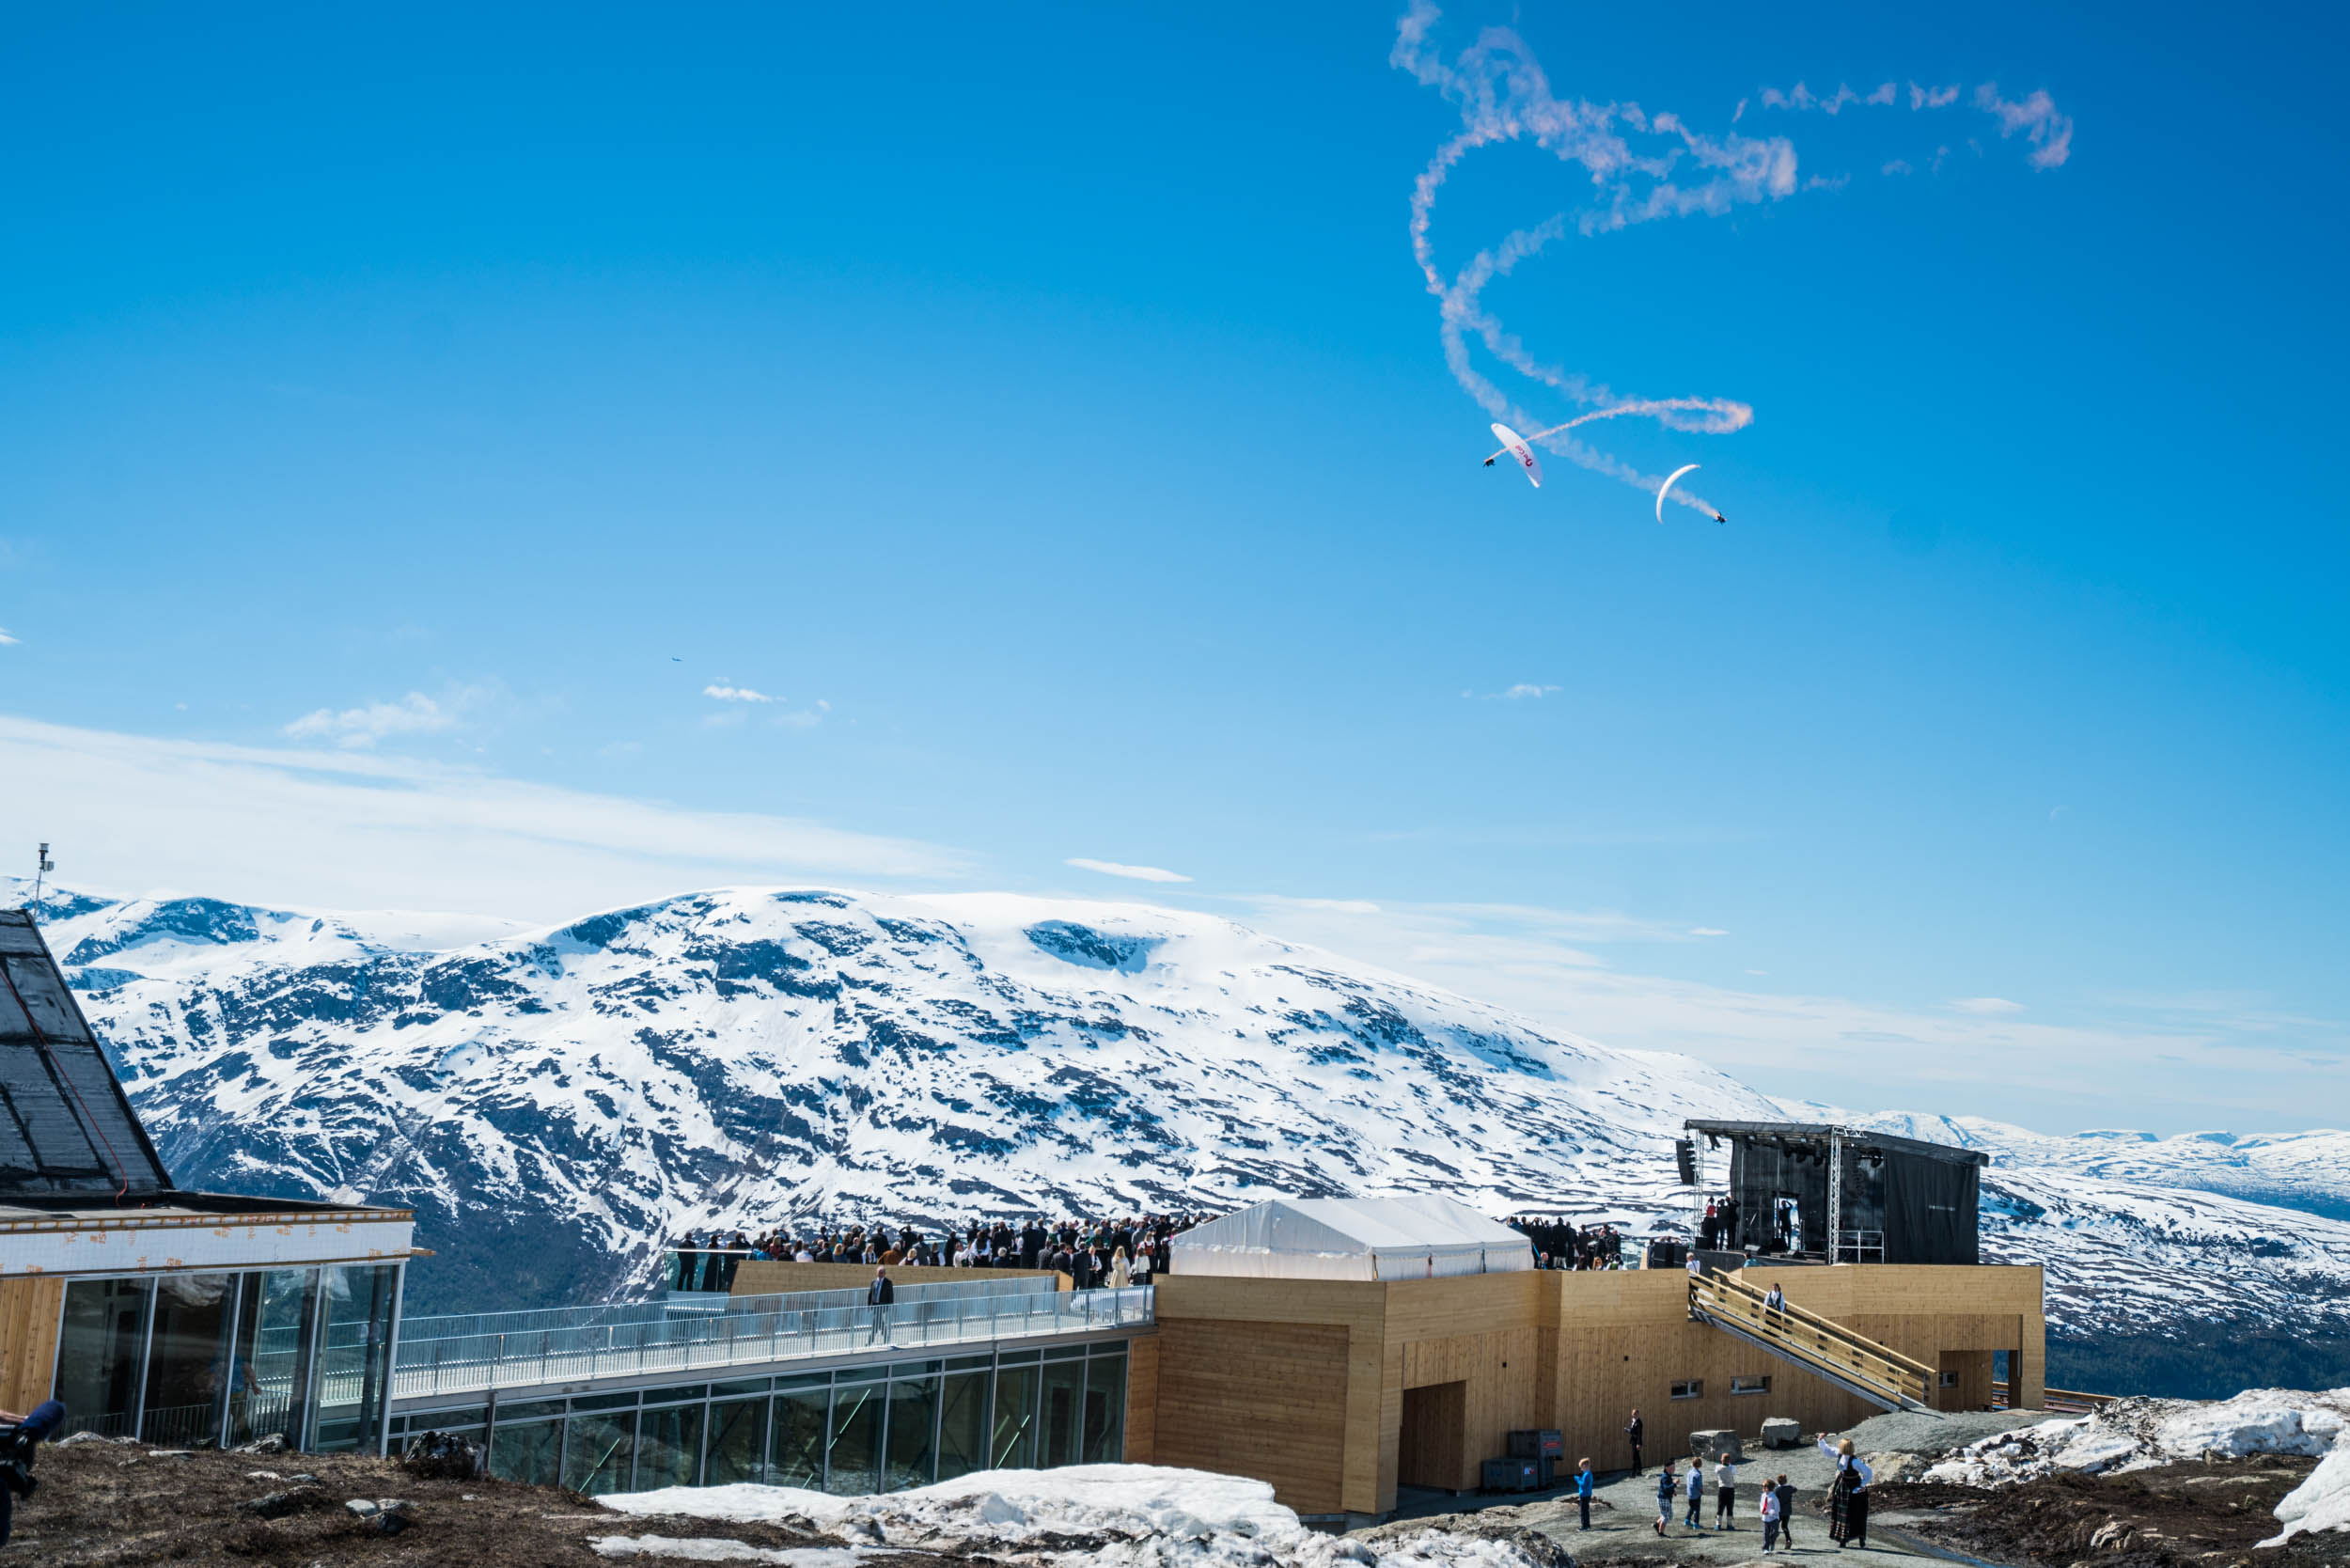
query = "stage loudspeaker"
{"x": 1686, "y": 1154}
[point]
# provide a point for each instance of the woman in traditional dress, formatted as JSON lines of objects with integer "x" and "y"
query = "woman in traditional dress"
{"x": 1848, "y": 1499}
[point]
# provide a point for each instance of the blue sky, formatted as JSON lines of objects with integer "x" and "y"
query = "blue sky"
{"x": 405, "y": 423}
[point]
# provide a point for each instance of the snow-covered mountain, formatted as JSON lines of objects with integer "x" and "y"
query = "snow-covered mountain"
{"x": 554, "y": 1101}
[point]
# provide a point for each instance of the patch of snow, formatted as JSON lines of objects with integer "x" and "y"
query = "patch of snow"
{"x": 2136, "y": 1433}
{"x": 1125, "y": 1516}
{"x": 2321, "y": 1502}
{"x": 706, "y": 1548}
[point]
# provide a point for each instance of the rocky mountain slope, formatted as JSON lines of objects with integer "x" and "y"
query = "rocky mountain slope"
{"x": 554, "y": 1102}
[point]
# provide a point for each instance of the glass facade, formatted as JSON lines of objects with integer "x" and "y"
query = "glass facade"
{"x": 203, "y": 1360}
{"x": 101, "y": 1344}
{"x": 853, "y": 1429}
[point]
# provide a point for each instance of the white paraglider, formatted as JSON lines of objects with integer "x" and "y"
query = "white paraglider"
{"x": 1513, "y": 445}
{"x": 1685, "y": 468}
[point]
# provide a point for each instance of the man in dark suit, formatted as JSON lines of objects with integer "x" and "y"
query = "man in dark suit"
{"x": 877, "y": 1295}
{"x": 1634, "y": 1431}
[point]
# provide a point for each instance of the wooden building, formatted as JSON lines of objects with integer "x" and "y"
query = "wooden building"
{"x": 1339, "y": 1391}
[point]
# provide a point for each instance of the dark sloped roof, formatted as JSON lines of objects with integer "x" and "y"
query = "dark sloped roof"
{"x": 65, "y": 1125}
{"x": 1857, "y": 1137}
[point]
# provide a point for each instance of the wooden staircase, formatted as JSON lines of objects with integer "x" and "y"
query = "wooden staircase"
{"x": 1825, "y": 1349}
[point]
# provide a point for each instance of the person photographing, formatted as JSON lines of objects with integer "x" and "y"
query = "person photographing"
{"x": 19, "y": 1435}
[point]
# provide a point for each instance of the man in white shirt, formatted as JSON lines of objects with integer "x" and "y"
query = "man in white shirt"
{"x": 1725, "y": 1493}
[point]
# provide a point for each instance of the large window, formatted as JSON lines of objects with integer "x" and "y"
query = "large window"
{"x": 738, "y": 1438}
{"x": 598, "y": 1451}
{"x": 270, "y": 1375}
{"x": 189, "y": 1373}
{"x": 353, "y": 1367}
{"x": 669, "y": 1448}
{"x": 1013, "y": 1444}
{"x": 1064, "y": 1385}
{"x": 963, "y": 1424}
{"x": 795, "y": 1454}
{"x": 1104, "y": 1436}
{"x": 527, "y": 1451}
{"x": 854, "y": 1462}
{"x": 850, "y": 1431}
{"x": 912, "y": 1418}
{"x": 99, "y": 1349}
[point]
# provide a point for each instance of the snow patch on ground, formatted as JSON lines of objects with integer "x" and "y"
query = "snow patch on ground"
{"x": 719, "y": 1549}
{"x": 2321, "y": 1502}
{"x": 2134, "y": 1434}
{"x": 1110, "y": 1516}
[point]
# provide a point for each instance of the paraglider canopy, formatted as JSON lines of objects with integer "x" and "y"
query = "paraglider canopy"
{"x": 1667, "y": 485}
{"x": 1514, "y": 445}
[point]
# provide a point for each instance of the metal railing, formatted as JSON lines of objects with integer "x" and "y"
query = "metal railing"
{"x": 751, "y": 1330}
{"x": 626, "y": 1314}
{"x": 2056, "y": 1401}
{"x": 1816, "y": 1344}
{"x": 1861, "y": 1246}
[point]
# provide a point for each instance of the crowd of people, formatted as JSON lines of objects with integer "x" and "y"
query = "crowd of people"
{"x": 1099, "y": 1252}
{"x": 1562, "y": 1243}
{"x": 1094, "y": 1252}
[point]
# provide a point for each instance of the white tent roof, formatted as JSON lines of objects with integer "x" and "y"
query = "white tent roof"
{"x": 1353, "y": 1238}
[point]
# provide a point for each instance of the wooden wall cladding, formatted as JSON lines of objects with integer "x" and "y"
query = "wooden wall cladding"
{"x": 1267, "y": 1400}
{"x": 1142, "y": 1398}
{"x": 1576, "y": 1352}
{"x": 29, "y": 1340}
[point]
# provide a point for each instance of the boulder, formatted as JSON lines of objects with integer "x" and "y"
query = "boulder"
{"x": 278, "y": 1505}
{"x": 442, "y": 1456}
{"x": 1782, "y": 1432}
{"x": 1709, "y": 1446}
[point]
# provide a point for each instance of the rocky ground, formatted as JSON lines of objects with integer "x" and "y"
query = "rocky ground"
{"x": 2183, "y": 1515}
{"x": 106, "y": 1503}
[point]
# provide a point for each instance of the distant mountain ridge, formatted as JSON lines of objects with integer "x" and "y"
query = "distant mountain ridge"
{"x": 554, "y": 1102}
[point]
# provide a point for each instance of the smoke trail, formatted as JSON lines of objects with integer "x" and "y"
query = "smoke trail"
{"x": 1503, "y": 97}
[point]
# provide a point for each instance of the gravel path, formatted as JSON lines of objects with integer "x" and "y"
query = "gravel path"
{"x": 1908, "y": 1432}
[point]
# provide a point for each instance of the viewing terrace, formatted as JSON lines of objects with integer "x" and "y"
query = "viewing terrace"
{"x": 472, "y": 1354}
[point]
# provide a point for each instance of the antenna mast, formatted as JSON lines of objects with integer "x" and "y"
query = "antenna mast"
{"x": 42, "y": 866}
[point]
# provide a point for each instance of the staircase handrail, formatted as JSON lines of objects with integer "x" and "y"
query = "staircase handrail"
{"x": 1828, "y": 1327}
{"x": 1839, "y": 1350}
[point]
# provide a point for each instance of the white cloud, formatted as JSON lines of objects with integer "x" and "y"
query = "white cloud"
{"x": 412, "y": 715}
{"x": 1993, "y": 1064}
{"x": 346, "y": 827}
{"x": 1898, "y": 166}
{"x": 726, "y": 693}
{"x": 6, "y": 640}
{"x": 2050, "y": 134}
{"x": 1133, "y": 873}
{"x": 1932, "y": 97}
{"x": 1518, "y": 693}
{"x": 1707, "y": 930}
{"x": 1986, "y": 1007}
